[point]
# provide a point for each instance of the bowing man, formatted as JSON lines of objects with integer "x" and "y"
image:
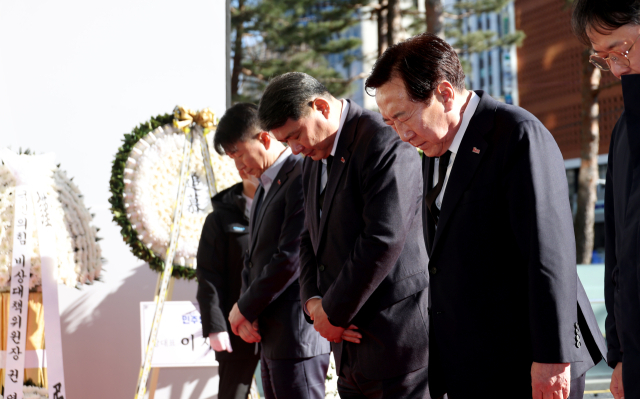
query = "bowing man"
{"x": 363, "y": 260}
{"x": 509, "y": 316}
{"x": 612, "y": 28}
{"x": 294, "y": 358}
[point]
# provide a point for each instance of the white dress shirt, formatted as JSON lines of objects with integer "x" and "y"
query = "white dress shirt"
{"x": 343, "y": 118}
{"x": 455, "y": 145}
{"x": 269, "y": 175}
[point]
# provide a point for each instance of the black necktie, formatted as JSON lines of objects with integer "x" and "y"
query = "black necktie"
{"x": 435, "y": 191}
{"x": 321, "y": 197}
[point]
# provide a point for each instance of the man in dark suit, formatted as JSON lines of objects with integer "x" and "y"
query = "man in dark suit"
{"x": 612, "y": 28}
{"x": 509, "y": 316}
{"x": 224, "y": 240}
{"x": 363, "y": 276}
{"x": 295, "y": 358}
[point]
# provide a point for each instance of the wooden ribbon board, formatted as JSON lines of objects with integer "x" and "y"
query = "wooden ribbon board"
{"x": 161, "y": 292}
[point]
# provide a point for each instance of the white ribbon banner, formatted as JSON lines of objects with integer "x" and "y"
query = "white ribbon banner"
{"x": 52, "y": 336}
{"x": 19, "y": 295}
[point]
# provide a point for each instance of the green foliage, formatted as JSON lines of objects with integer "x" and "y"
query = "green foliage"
{"x": 478, "y": 41}
{"x": 294, "y": 35}
{"x": 116, "y": 186}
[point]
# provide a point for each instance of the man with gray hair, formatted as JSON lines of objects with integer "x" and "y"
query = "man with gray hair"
{"x": 507, "y": 308}
{"x": 363, "y": 281}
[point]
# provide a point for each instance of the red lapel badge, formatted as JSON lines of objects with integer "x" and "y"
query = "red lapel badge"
{"x": 476, "y": 150}
{"x": 278, "y": 181}
{"x": 342, "y": 159}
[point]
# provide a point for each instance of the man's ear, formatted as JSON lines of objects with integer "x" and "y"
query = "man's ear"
{"x": 322, "y": 105}
{"x": 447, "y": 93}
{"x": 265, "y": 138}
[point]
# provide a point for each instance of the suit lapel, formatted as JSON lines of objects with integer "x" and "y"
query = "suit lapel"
{"x": 252, "y": 218}
{"x": 340, "y": 160}
{"x": 467, "y": 159}
{"x": 278, "y": 182}
{"x": 428, "y": 224}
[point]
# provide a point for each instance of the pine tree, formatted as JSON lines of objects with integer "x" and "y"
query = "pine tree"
{"x": 277, "y": 36}
{"x": 472, "y": 42}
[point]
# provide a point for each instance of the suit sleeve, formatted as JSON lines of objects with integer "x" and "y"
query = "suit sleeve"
{"x": 211, "y": 271}
{"x": 308, "y": 272}
{"x": 541, "y": 221}
{"x": 614, "y": 353}
{"x": 284, "y": 266}
{"x": 391, "y": 186}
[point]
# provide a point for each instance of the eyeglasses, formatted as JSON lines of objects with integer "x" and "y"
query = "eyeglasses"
{"x": 615, "y": 57}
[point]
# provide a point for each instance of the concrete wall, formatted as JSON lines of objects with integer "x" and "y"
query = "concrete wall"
{"x": 74, "y": 76}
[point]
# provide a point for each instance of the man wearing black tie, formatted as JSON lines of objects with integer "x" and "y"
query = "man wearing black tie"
{"x": 363, "y": 276}
{"x": 294, "y": 358}
{"x": 509, "y": 317}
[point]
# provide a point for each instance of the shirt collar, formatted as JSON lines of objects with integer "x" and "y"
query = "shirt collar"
{"x": 270, "y": 174}
{"x": 466, "y": 117}
{"x": 343, "y": 118}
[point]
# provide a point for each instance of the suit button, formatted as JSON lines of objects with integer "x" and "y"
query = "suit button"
{"x": 433, "y": 270}
{"x": 321, "y": 268}
{"x": 250, "y": 265}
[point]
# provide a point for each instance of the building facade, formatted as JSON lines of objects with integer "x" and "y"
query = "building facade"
{"x": 493, "y": 71}
{"x": 549, "y": 78}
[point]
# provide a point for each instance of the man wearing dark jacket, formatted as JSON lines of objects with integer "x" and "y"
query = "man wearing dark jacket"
{"x": 295, "y": 358}
{"x": 224, "y": 240}
{"x": 509, "y": 316}
{"x": 612, "y": 28}
{"x": 363, "y": 277}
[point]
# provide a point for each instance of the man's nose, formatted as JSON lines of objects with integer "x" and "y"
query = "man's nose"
{"x": 296, "y": 148}
{"x": 618, "y": 70}
{"x": 403, "y": 131}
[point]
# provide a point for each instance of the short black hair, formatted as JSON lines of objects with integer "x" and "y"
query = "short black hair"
{"x": 288, "y": 96}
{"x": 422, "y": 62}
{"x": 238, "y": 124}
{"x": 603, "y": 16}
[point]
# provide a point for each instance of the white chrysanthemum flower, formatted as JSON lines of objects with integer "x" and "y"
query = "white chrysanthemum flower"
{"x": 76, "y": 247}
{"x": 151, "y": 194}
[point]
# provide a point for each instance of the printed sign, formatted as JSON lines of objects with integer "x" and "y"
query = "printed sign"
{"x": 180, "y": 342}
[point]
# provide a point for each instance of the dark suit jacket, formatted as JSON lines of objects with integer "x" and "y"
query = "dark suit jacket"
{"x": 622, "y": 239}
{"x": 224, "y": 239}
{"x": 504, "y": 284}
{"x": 271, "y": 292}
{"x": 366, "y": 253}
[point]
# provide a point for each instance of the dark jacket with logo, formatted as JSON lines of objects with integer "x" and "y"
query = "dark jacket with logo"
{"x": 224, "y": 240}
{"x": 622, "y": 240}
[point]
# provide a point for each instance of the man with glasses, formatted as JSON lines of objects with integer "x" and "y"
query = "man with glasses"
{"x": 612, "y": 28}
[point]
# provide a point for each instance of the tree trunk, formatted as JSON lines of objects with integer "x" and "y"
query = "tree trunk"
{"x": 435, "y": 19}
{"x": 237, "y": 53}
{"x": 394, "y": 22}
{"x": 381, "y": 15}
{"x": 588, "y": 175}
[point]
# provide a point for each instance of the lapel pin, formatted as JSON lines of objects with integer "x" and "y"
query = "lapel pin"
{"x": 278, "y": 181}
{"x": 342, "y": 159}
{"x": 476, "y": 150}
